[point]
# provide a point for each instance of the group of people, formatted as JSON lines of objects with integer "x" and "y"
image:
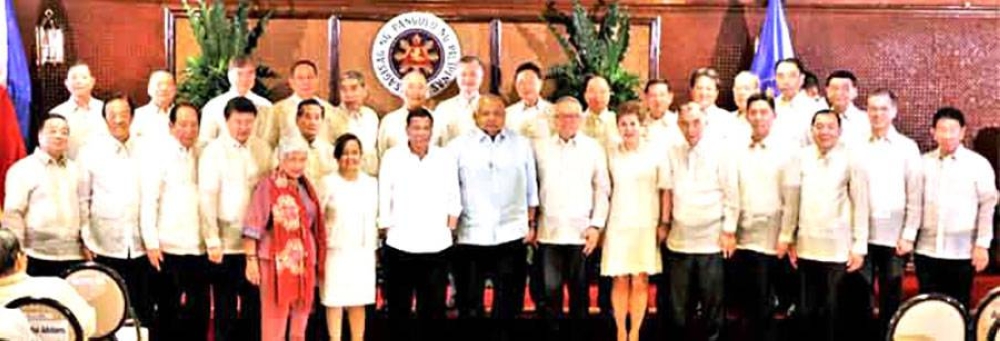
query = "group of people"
{"x": 278, "y": 211}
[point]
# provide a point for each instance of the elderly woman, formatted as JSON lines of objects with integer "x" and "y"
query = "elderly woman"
{"x": 350, "y": 207}
{"x": 283, "y": 223}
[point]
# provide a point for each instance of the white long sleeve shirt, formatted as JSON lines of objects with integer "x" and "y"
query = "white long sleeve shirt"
{"x": 110, "y": 171}
{"x": 169, "y": 217}
{"x": 705, "y": 196}
{"x": 827, "y": 213}
{"x": 761, "y": 169}
{"x": 532, "y": 122}
{"x": 83, "y": 121}
{"x": 895, "y": 186}
{"x": 150, "y": 121}
{"x": 213, "y": 117}
{"x": 574, "y": 188}
{"x": 227, "y": 174}
{"x": 43, "y": 207}
{"x": 794, "y": 117}
{"x": 959, "y": 199}
{"x": 456, "y": 114}
{"x": 416, "y": 197}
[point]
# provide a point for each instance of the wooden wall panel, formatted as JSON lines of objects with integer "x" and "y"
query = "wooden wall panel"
{"x": 286, "y": 41}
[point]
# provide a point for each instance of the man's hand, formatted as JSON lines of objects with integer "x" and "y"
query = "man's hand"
{"x": 155, "y": 257}
{"x": 531, "y": 238}
{"x": 854, "y": 262}
{"x": 253, "y": 272}
{"x": 215, "y": 254}
{"x": 592, "y": 235}
{"x": 786, "y": 249}
{"x": 904, "y": 247}
{"x": 662, "y": 232}
{"x": 980, "y": 258}
{"x": 727, "y": 242}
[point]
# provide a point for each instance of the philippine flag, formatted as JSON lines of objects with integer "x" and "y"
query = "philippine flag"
{"x": 15, "y": 93}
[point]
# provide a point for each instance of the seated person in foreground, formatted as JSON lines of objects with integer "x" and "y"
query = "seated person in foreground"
{"x": 15, "y": 283}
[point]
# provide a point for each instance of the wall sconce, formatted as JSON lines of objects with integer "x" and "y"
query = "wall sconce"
{"x": 50, "y": 41}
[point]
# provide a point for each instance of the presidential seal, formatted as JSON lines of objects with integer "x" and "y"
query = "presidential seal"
{"x": 420, "y": 42}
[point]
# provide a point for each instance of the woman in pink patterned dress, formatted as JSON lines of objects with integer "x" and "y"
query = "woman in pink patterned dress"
{"x": 283, "y": 223}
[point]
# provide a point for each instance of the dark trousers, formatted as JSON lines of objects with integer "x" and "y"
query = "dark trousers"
{"x": 952, "y": 277}
{"x": 662, "y": 282}
{"x": 536, "y": 278}
{"x": 316, "y": 329}
{"x": 885, "y": 269}
{"x": 473, "y": 264}
{"x": 176, "y": 319}
{"x": 237, "y": 302}
{"x": 820, "y": 284}
{"x": 696, "y": 278}
{"x": 135, "y": 272}
{"x": 49, "y": 268}
{"x": 753, "y": 289}
{"x": 423, "y": 276}
{"x": 564, "y": 265}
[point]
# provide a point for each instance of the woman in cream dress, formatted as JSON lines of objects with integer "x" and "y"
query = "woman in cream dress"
{"x": 350, "y": 205}
{"x": 630, "y": 252}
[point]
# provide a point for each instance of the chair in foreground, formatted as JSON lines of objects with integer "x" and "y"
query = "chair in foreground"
{"x": 929, "y": 317}
{"x": 987, "y": 315}
{"x": 104, "y": 290}
{"x": 49, "y": 319}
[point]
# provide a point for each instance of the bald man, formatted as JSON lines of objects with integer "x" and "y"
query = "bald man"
{"x": 499, "y": 196}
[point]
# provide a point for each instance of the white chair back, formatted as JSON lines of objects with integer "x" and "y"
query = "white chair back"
{"x": 104, "y": 290}
{"x": 929, "y": 317}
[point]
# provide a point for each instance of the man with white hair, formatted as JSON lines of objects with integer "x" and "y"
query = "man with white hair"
{"x": 242, "y": 77}
{"x": 745, "y": 85}
{"x": 82, "y": 111}
{"x": 151, "y": 119}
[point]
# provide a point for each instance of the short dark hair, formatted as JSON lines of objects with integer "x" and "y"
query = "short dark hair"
{"x": 949, "y": 113}
{"x": 471, "y": 59}
{"x": 51, "y": 116}
{"x": 810, "y": 81}
{"x": 241, "y": 61}
{"x": 655, "y": 81}
{"x": 885, "y": 92}
{"x": 118, "y": 95}
{"x": 842, "y": 74}
{"x": 302, "y": 62}
{"x": 177, "y": 108}
{"x": 353, "y": 74}
{"x": 705, "y": 72}
{"x": 825, "y": 112}
{"x": 240, "y": 104}
{"x": 528, "y": 66}
{"x": 794, "y": 61}
{"x": 341, "y": 143}
{"x": 757, "y": 96}
{"x": 419, "y": 113}
{"x": 10, "y": 249}
{"x": 632, "y": 107}
{"x": 312, "y": 101}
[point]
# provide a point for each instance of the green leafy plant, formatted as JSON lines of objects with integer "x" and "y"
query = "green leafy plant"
{"x": 592, "y": 49}
{"x": 221, "y": 39}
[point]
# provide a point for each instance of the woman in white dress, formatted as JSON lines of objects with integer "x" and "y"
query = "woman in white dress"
{"x": 630, "y": 252}
{"x": 350, "y": 205}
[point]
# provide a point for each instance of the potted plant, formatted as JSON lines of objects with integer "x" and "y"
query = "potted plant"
{"x": 221, "y": 38}
{"x": 592, "y": 49}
